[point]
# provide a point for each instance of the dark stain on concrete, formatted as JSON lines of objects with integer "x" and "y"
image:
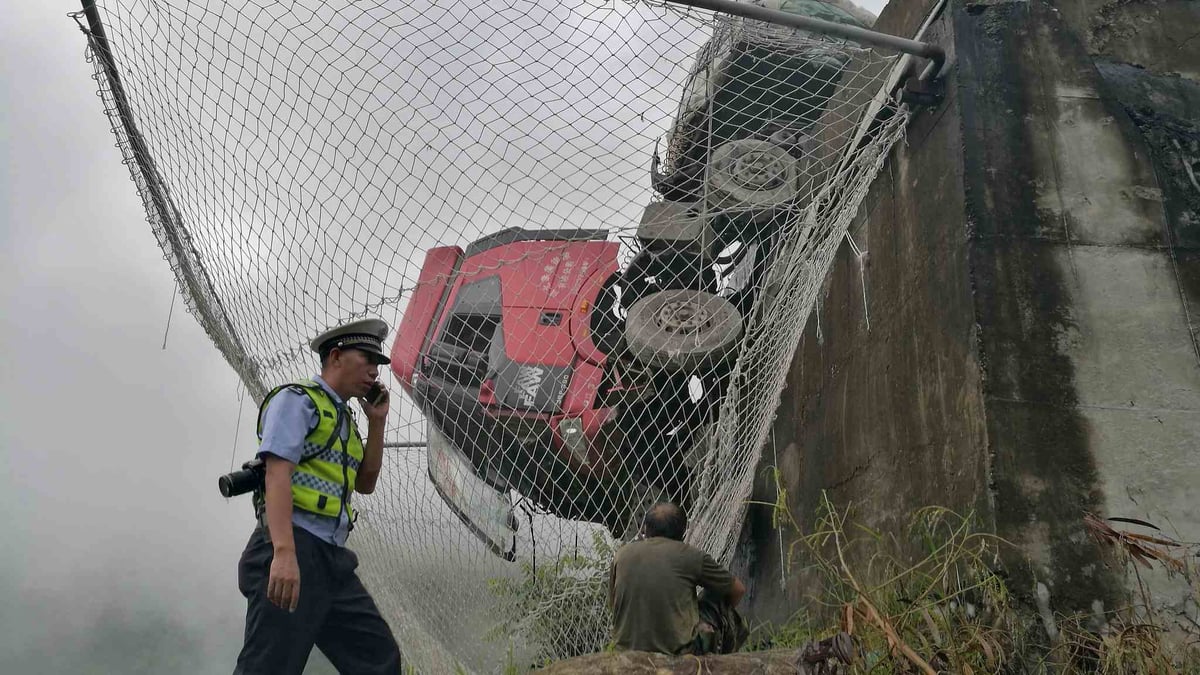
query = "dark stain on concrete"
{"x": 1043, "y": 474}
{"x": 886, "y": 419}
{"x": 1160, "y": 35}
{"x": 1166, "y": 112}
{"x": 962, "y": 392}
{"x": 997, "y": 159}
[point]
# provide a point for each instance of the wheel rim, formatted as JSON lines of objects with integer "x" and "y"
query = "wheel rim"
{"x": 682, "y": 317}
{"x": 759, "y": 170}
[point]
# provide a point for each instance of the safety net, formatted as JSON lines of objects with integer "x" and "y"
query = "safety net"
{"x": 597, "y": 229}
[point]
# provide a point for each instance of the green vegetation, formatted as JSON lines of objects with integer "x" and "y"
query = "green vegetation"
{"x": 947, "y": 607}
{"x": 560, "y": 607}
{"x": 932, "y": 598}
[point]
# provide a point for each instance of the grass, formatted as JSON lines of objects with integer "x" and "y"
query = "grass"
{"x": 932, "y": 598}
{"x": 560, "y": 607}
{"x": 948, "y": 608}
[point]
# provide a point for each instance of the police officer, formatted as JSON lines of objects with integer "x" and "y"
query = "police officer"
{"x": 296, "y": 573}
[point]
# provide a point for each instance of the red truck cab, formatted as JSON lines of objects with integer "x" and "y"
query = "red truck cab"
{"x": 515, "y": 350}
{"x": 496, "y": 347}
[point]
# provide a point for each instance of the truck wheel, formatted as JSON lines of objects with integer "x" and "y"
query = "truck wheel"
{"x": 751, "y": 176}
{"x": 682, "y": 330}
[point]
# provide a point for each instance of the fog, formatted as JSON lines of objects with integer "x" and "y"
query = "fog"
{"x": 118, "y": 554}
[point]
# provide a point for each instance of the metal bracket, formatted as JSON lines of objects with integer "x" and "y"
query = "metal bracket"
{"x": 675, "y": 226}
{"x": 922, "y": 92}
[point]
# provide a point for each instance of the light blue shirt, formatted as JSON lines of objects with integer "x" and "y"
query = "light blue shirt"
{"x": 289, "y": 417}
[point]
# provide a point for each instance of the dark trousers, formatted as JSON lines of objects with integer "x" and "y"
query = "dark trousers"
{"x": 335, "y": 613}
{"x": 729, "y": 630}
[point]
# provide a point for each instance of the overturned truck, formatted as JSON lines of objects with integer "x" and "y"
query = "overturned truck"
{"x": 587, "y": 386}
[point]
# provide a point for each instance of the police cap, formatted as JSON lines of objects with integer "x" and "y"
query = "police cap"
{"x": 364, "y": 335}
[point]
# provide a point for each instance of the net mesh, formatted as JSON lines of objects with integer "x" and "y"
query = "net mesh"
{"x": 581, "y": 328}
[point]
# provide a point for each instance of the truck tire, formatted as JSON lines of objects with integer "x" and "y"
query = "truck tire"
{"x": 682, "y": 330}
{"x": 753, "y": 177}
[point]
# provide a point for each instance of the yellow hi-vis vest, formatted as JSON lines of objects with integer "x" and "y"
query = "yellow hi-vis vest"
{"x": 324, "y": 479}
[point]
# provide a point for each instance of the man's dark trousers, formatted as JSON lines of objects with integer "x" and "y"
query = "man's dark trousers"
{"x": 729, "y": 631}
{"x": 335, "y": 613}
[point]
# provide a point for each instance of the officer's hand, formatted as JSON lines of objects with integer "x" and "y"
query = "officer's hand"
{"x": 283, "y": 585}
{"x": 377, "y": 413}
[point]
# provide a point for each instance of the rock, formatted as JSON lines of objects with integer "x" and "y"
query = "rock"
{"x": 776, "y": 661}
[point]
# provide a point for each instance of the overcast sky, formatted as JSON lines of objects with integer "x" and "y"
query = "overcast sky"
{"x": 111, "y": 445}
{"x": 115, "y": 550}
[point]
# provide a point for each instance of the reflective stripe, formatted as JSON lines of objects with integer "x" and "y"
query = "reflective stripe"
{"x": 311, "y": 450}
{"x": 323, "y": 481}
{"x": 334, "y": 456}
{"x": 313, "y": 483}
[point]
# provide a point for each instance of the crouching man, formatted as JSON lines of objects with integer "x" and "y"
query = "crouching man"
{"x": 652, "y": 592}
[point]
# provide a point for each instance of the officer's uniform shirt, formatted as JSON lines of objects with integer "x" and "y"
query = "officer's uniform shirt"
{"x": 287, "y": 421}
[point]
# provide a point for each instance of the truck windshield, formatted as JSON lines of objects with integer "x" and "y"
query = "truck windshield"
{"x": 474, "y": 316}
{"x": 462, "y": 346}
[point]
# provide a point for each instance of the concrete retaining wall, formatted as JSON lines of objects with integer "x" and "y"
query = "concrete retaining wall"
{"x": 1027, "y": 346}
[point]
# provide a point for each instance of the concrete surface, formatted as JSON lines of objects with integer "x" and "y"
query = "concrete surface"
{"x": 1032, "y": 282}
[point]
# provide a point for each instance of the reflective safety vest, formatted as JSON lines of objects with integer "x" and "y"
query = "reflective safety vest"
{"x": 324, "y": 479}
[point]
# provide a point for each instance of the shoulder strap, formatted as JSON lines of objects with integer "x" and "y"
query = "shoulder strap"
{"x": 333, "y": 438}
{"x": 314, "y": 390}
{"x": 305, "y": 387}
